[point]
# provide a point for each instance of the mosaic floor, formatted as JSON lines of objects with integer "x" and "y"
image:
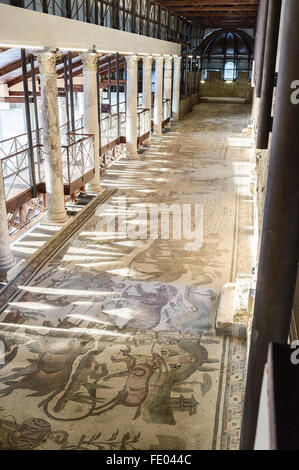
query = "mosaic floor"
{"x": 111, "y": 344}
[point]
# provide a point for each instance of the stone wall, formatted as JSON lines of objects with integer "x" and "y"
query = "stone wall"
{"x": 216, "y": 87}
{"x": 187, "y": 103}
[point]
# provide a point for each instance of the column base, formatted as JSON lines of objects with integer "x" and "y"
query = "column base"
{"x": 7, "y": 262}
{"x": 132, "y": 155}
{"x": 58, "y": 219}
{"x": 94, "y": 188}
{"x": 157, "y": 131}
{"x": 7, "y": 275}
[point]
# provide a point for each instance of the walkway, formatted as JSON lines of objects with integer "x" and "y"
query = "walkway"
{"x": 111, "y": 345}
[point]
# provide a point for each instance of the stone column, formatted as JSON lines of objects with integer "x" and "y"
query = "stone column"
{"x": 176, "y": 88}
{"x": 168, "y": 83}
{"x": 56, "y": 212}
{"x": 131, "y": 106}
{"x": 147, "y": 89}
{"x": 91, "y": 116}
{"x": 158, "y": 103}
{"x": 6, "y": 257}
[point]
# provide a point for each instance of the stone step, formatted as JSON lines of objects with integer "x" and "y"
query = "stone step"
{"x": 234, "y": 311}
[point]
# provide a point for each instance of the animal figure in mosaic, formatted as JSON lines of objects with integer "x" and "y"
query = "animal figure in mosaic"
{"x": 11, "y": 347}
{"x": 154, "y": 265}
{"x": 50, "y": 370}
{"x": 148, "y": 305}
{"x": 139, "y": 371}
{"x": 193, "y": 357}
{"x": 29, "y": 435}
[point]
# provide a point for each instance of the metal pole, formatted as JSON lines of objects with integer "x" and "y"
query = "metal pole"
{"x": 117, "y": 96}
{"x": 71, "y": 92}
{"x": 99, "y": 109}
{"x": 66, "y": 89}
{"x": 35, "y": 113}
{"x": 28, "y": 123}
{"x": 261, "y": 49}
{"x": 109, "y": 84}
{"x": 265, "y": 119}
{"x": 278, "y": 261}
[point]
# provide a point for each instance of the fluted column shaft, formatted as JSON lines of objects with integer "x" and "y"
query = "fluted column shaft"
{"x": 158, "y": 103}
{"x": 168, "y": 82}
{"x": 176, "y": 88}
{"x": 147, "y": 89}
{"x": 6, "y": 257}
{"x": 51, "y": 138}
{"x": 91, "y": 115}
{"x": 131, "y": 107}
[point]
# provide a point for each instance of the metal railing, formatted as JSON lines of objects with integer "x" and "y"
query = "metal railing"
{"x": 136, "y": 16}
{"x": 143, "y": 122}
{"x": 16, "y": 163}
{"x": 166, "y": 110}
{"x": 77, "y": 156}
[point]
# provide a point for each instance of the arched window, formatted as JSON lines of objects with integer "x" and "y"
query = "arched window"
{"x": 229, "y": 71}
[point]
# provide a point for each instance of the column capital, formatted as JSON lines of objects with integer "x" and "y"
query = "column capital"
{"x": 159, "y": 59}
{"x": 131, "y": 59}
{"x": 147, "y": 59}
{"x": 177, "y": 58}
{"x": 90, "y": 61}
{"x": 47, "y": 61}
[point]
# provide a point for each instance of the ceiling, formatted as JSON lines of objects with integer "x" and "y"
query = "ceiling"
{"x": 216, "y": 13}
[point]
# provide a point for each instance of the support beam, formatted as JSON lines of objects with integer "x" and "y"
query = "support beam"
{"x": 261, "y": 48}
{"x": 158, "y": 105}
{"x": 147, "y": 89}
{"x": 176, "y": 88}
{"x": 91, "y": 123}
{"x": 56, "y": 212}
{"x": 265, "y": 116}
{"x": 131, "y": 106}
{"x": 278, "y": 262}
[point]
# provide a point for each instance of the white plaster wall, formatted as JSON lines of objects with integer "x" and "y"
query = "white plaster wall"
{"x": 30, "y": 28}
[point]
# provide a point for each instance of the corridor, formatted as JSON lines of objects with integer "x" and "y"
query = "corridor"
{"x": 110, "y": 343}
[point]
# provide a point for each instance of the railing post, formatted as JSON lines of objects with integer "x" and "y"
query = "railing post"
{"x": 68, "y": 8}
{"x": 117, "y": 97}
{"x": 88, "y": 11}
{"x": 45, "y": 6}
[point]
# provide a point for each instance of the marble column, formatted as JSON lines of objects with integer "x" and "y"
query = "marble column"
{"x": 168, "y": 83}
{"x": 131, "y": 106}
{"x": 176, "y": 88}
{"x": 158, "y": 103}
{"x": 6, "y": 257}
{"x": 147, "y": 90}
{"x": 91, "y": 115}
{"x": 56, "y": 212}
